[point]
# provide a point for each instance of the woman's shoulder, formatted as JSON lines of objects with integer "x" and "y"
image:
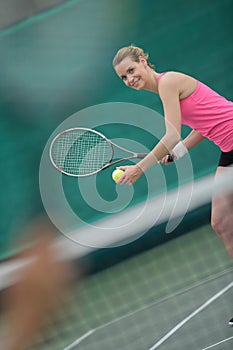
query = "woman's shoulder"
{"x": 177, "y": 82}
{"x": 169, "y": 78}
{"x": 173, "y": 76}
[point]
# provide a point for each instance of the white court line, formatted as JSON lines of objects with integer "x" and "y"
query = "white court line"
{"x": 129, "y": 314}
{"x": 213, "y": 345}
{"x": 79, "y": 340}
{"x": 197, "y": 311}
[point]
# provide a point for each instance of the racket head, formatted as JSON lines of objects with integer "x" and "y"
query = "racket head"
{"x": 80, "y": 152}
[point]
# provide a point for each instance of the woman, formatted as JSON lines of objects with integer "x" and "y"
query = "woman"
{"x": 185, "y": 101}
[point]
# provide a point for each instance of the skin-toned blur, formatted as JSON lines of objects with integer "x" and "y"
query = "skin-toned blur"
{"x": 38, "y": 291}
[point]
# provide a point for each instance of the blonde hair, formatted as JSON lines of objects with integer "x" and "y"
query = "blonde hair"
{"x": 133, "y": 52}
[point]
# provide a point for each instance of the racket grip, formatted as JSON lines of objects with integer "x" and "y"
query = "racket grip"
{"x": 170, "y": 158}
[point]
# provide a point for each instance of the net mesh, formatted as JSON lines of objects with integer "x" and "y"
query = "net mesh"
{"x": 162, "y": 298}
{"x": 80, "y": 152}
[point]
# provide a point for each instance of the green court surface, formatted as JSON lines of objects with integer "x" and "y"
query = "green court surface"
{"x": 175, "y": 296}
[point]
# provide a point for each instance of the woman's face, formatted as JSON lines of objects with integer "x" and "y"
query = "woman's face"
{"x": 133, "y": 74}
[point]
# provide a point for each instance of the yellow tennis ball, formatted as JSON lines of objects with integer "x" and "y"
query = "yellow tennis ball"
{"x": 117, "y": 174}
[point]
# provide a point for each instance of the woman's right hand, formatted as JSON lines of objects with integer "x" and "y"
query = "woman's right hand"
{"x": 168, "y": 159}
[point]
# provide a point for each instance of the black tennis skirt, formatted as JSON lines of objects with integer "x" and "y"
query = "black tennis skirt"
{"x": 226, "y": 159}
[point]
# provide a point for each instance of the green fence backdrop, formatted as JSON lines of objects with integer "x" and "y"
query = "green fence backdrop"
{"x": 59, "y": 62}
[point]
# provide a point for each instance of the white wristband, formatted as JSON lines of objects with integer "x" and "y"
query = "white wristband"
{"x": 179, "y": 150}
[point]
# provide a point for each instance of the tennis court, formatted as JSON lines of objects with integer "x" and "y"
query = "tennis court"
{"x": 175, "y": 296}
{"x": 175, "y": 293}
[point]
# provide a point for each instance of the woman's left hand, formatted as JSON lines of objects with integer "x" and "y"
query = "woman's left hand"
{"x": 131, "y": 174}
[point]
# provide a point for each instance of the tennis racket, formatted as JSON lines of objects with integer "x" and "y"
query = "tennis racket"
{"x": 82, "y": 152}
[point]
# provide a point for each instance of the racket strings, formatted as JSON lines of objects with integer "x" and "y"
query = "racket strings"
{"x": 79, "y": 152}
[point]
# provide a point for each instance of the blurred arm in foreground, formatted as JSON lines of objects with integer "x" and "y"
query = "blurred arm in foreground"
{"x": 38, "y": 292}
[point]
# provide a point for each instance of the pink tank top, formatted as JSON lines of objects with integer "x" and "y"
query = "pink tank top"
{"x": 210, "y": 114}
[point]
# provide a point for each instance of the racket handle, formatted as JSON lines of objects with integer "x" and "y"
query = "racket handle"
{"x": 143, "y": 155}
{"x": 170, "y": 158}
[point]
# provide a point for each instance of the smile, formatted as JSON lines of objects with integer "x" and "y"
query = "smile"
{"x": 135, "y": 83}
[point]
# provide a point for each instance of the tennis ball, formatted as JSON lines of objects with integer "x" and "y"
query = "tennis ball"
{"x": 117, "y": 174}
